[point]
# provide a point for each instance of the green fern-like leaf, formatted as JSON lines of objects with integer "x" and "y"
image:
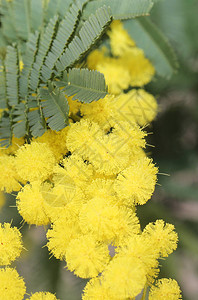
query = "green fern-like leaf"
{"x": 37, "y": 14}
{"x": 21, "y": 13}
{"x": 12, "y": 75}
{"x": 2, "y": 86}
{"x": 156, "y": 46}
{"x": 43, "y": 50}
{"x": 57, "y": 7}
{"x": 125, "y": 9}
{"x": 55, "y": 107}
{"x": 64, "y": 33}
{"x": 2, "y": 42}
{"x": 60, "y": 7}
{"x": 20, "y": 120}
{"x": 5, "y": 129}
{"x": 90, "y": 32}
{"x": 20, "y": 18}
{"x": 37, "y": 127}
{"x": 67, "y": 30}
{"x": 28, "y": 60}
{"x": 7, "y": 24}
{"x": 36, "y": 121}
{"x": 84, "y": 85}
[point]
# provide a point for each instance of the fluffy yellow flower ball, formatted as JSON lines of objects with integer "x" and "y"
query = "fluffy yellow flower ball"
{"x": 95, "y": 58}
{"x": 64, "y": 229}
{"x": 55, "y": 141}
{"x": 100, "y": 187}
{"x": 100, "y": 111}
{"x": 86, "y": 257}
{"x": 116, "y": 75}
{"x": 12, "y": 286}
{"x": 136, "y": 183}
{"x": 141, "y": 249}
{"x": 94, "y": 289}
{"x": 163, "y": 236}
{"x": 34, "y": 161}
{"x": 165, "y": 289}
{"x": 109, "y": 154}
{"x": 131, "y": 134}
{"x": 31, "y": 204}
{"x": 10, "y": 243}
{"x": 136, "y": 106}
{"x": 139, "y": 67}
{"x": 9, "y": 178}
{"x": 81, "y": 135}
{"x": 106, "y": 221}
{"x": 43, "y": 296}
{"x": 124, "y": 277}
{"x": 120, "y": 40}
{"x": 78, "y": 170}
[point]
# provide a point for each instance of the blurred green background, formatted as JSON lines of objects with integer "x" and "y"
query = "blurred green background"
{"x": 175, "y": 137}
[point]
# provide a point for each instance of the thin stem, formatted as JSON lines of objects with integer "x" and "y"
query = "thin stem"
{"x": 144, "y": 292}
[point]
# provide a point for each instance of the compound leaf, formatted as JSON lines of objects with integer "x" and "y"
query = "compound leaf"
{"x": 84, "y": 85}
{"x": 124, "y": 9}
{"x": 156, "y": 46}
{"x": 55, "y": 107}
{"x": 90, "y": 32}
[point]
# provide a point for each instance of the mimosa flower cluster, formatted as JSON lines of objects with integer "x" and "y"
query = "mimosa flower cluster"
{"x": 87, "y": 181}
{"x": 12, "y": 285}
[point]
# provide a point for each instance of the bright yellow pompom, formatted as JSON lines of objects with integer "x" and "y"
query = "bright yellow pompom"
{"x": 107, "y": 222}
{"x": 12, "y": 286}
{"x": 100, "y": 187}
{"x": 131, "y": 134}
{"x": 135, "y": 185}
{"x": 165, "y": 289}
{"x": 106, "y": 153}
{"x": 139, "y": 67}
{"x": 128, "y": 226}
{"x": 163, "y": 237}
{"x": 86, "y": 257}
{"x": 55, "y": 141}
{"x": 141, "y": 248}
{"x": 96, "y": 57}
{"x": 116, "y": 114}
{"x": 64, "y": 229}
{"x": 79, "y": 171}
{"x": 100, "y": 111}
{"x": 34, "y": 161}
{"x": 9, "y": 178}
{"x": 116, "y": 74}
{"x": 120, "y": 40}
{"x": 81, "y": 136}
{"x": 31, "y": 204}
{"x": 136, "y": 106}
{"x": 100, "y": 217}
{"x": 109, "y": 154}
{"x": 63, "y": 196}
{"x": 58, "y": 196}
{"x": 124, "y": 277}
{"x": 10, "y": 244}
{"x": 43, "y": 296}
{"x": 94, "y": 289}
